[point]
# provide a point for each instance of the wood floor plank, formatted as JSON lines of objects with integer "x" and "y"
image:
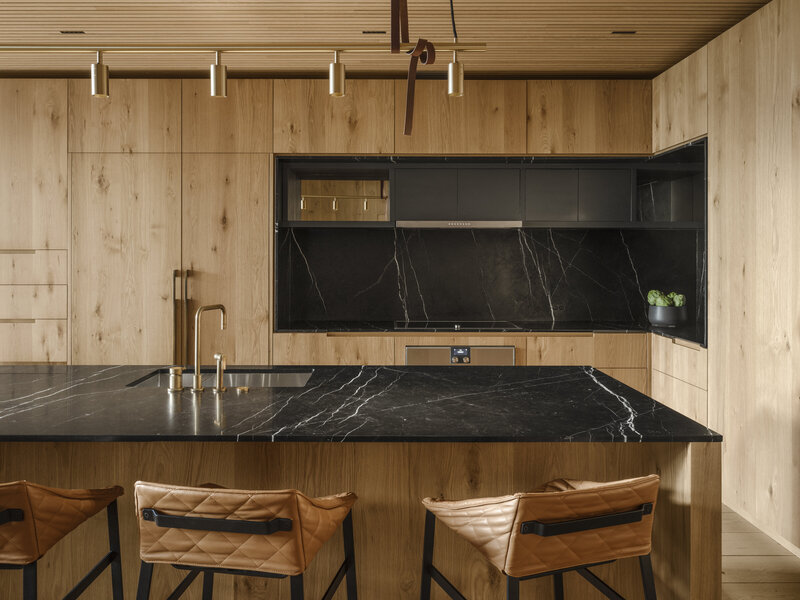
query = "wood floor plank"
{"x": 751, "y": 544}
{"x": 760, "y": 569}
{"x": 761, "y": 591}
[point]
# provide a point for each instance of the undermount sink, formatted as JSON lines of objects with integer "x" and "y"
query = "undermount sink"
{"x": 251, "y": 378}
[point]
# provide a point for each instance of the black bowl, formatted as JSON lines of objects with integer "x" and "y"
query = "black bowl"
{"x": 667, "y": 316}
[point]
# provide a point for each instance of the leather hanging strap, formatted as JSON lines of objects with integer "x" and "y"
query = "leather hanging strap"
{"x": 425, "y": 53}
{"x": 399, "y": 24}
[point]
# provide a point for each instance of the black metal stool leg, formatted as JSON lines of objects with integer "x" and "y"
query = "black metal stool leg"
{"x": 648, "y": 581}
{"x": 114, "y": 546}
{"x": 427, "y": 556}
{"x": 29, "y": 582}
{"x": 208, "y": 585}
{"x": 296, "y": 584}
{"x": 512, "y": 588}
{"x": 558, "y": 586}
{"x": 350, "y": 557}
{"x": 145, "y": 576}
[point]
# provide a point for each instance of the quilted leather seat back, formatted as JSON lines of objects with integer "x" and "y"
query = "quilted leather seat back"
{"x": 314, "y": 520}
{"x": 492, "y": 525}
{"x": 50, "y": 514}
{"x": 18, "y": 538}
{"x": 529, "y": 554}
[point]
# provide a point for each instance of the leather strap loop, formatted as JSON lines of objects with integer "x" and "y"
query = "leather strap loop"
{"x": 399, "y": 24}
{"x": 423, "y": 52}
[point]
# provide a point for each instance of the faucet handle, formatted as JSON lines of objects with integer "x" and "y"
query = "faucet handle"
{"x": 220, "y": 358}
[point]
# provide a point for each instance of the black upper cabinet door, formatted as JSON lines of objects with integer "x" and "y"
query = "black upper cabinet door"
{"x": 551, "y": 195}
{"x": 604, "y": 195}
{"x": 425, "y": 194}
{"x": 488, "y": 194}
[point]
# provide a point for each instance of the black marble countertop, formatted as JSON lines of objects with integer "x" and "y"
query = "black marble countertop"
{"x": 689, "y": 332}
{"x": 359, "y": 404}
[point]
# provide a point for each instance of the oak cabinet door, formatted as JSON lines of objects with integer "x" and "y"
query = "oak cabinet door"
{"x": 226, "y": 247}
{"x": 33, "y": 164}
{"x": 126, "y": 215}
{"x": 680, "y": 102}
{"x": 323, "y": 349}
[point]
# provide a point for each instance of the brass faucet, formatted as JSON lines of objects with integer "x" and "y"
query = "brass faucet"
{"x": 198, "y": 379}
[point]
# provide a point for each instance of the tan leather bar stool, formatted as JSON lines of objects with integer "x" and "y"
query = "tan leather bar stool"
{"x": 563, "y": 526}
{"x": 33, "y": 518}
{"x": 212, "y": 530}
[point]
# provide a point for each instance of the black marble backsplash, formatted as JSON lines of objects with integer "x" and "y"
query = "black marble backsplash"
{"x": 533, "y": 275}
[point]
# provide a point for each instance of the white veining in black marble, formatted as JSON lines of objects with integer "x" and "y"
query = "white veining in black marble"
{"x": 383, "y": 403}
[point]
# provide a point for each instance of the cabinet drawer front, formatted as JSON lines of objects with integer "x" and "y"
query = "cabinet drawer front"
{"x": 635, "y": 378}
{"x": 34, "y": 342}
{"x": 683, "y": 361}
{"x": 33, "y": 302}
{"x": 680, "y": 396}
{"x": 322, "y": 349}
{"x": 571, "y": 350}
{"x": 33, "y": 267}
{"x": 620, "y": 350}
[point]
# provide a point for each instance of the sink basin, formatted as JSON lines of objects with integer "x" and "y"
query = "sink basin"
{"x": 252, "y": 378}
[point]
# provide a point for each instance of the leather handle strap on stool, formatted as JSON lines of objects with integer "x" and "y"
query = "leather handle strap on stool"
{"x": 11, "y": 515}
{"x": 223, "y": 525}
{"x": 598, "y": 522}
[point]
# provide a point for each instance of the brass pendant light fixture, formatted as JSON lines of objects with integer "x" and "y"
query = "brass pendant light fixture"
{"x": 219, "y": 78}
{"x": 99, "y": 77}
{"x": 336, "y": 77}
{"x": 455, "y": 70}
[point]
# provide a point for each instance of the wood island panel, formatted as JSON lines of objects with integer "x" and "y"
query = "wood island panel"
{"x": 390, "y": 479}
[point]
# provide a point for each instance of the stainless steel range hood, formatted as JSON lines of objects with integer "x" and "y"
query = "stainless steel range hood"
{"x": 459, "y": 224}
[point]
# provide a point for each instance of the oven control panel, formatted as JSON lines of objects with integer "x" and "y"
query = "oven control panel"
{"x": 459, "y": 355}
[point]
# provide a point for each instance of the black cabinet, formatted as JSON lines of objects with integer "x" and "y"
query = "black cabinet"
{"x": 604, "y": 195}
{"x": 551, "y": 195}
{"x": 486, "y": 194}
{"x": 425, "y": 194}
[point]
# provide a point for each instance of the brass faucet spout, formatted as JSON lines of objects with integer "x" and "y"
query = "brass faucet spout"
{"x": 198, "y": 380}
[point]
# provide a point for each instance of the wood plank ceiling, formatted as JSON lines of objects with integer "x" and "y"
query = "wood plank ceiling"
{"x": 530, "y": 38}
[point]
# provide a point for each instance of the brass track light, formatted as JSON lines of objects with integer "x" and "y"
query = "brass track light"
{"x": 99, "y": 77}
{"x": 336, "y": 76}
{"x": 455, "y": 77}
{"x": 219, "y": 78}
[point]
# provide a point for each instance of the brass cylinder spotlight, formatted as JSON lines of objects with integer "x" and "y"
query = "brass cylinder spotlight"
{"x": 99, "y": 77}
{"x": 455, "y": 78}
{"x": 336, "y": 76}
{"x": 219, "y": 79}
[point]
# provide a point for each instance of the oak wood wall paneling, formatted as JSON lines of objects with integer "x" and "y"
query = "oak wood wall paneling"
{"x": 390, "y": 479}
{"x": 559, "y": 350}
{"x": 323, "y": 349}
{"x": 636, "y": 378}
{"x": 520, "y": 344}
{"x": 589, "y": 117}
{"x": 31, "y": 267}
{"x": 242, "y": 122}
{"x": 680, "y": 102}
{"x": 33, "y": 164}
{"x": 754, "y": 261}
{"x": 488, "y": 119}
{"x": 620, "y": 350}
{"x": 140, "y": 115}
{"x": 687, "y": 399}
{"x": 225, "y": 245}
{"x": 126, "y": 216}
{"x": 682, "y": 360}
{"x": 39, "y": 341}
{"x": 309, "y": 121}
{"x": 33, "y": 302}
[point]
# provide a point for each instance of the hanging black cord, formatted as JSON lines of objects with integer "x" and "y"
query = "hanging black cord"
{"x": 453, "y": 19}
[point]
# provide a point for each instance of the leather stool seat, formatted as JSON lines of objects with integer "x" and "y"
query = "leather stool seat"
{"x": 212, "y": 530}
{"x": 564, "y": 525}
{"x": 33, "y": 518}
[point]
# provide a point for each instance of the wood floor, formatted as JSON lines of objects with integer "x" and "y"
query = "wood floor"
{"x": 755, "y": 567}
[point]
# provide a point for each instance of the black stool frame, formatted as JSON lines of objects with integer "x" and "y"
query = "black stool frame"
{"x": 346, "y": 571}
{"x": 111, "y": 559}
{"x": 430, "y": 573}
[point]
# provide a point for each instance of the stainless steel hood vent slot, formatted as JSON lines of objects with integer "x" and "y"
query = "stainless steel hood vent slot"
{"x": 459, "y": 224}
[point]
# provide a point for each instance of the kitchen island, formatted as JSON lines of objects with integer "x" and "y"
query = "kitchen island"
{"x": 392, "y": 435}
